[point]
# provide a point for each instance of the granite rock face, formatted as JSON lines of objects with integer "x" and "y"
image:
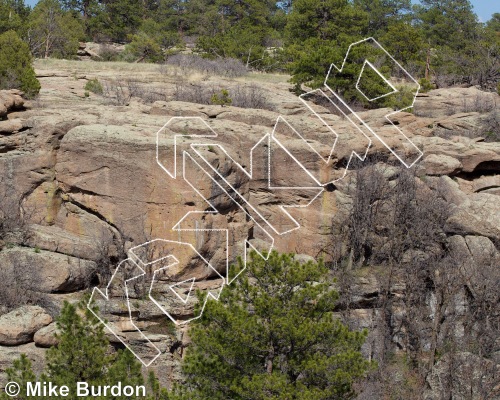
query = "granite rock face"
{"x": 81, "y": 187}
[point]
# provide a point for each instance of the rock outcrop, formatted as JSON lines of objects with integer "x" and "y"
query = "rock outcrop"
{"x": 81, "y": 187}
{"x": 19, "y": 326}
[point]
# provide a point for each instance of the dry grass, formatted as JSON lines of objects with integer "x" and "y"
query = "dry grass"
{"x": 122, "y": 81}
{"x": 88, "y": 66}
{"x": 145, "y": 72}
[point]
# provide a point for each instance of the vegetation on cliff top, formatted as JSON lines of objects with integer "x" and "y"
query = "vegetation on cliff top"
{"x": 438, "y": 40}
{"x": 16, "y": 71}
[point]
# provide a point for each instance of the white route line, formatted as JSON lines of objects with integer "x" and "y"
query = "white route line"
{"x": 333, "y": 67}
{"x": 106, "y": 296}
{"x": 238, "y": 199}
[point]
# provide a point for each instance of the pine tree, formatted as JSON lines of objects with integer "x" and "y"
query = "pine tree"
{"x": 273, "y": 335}
{"x": 448, "y": 23}
{"x": 382, "y": 13}
{"x": 91, "y": 13}
{"x": 125, "y": 369}
{"x": 21, "y": 372}
{"x": 406, "y": 43}
{"x": 81, "y": 355}
{"x": 9, "y": 17}
{"x": 122, "y": 18}
{"x": 53, "y": 32}
{"x": 239, "y": 29}
{"x": 318, "y": 33}
{"x": 494, "y": 23}
{"x": 458, "y": 41}
{"x": 16, "y": 70}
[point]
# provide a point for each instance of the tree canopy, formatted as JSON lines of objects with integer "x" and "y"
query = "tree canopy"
{"x": 438, "y": 39}
{"x": 274, "y": 335}
{"x": 82, "y": 355}
{"x": 16, "y": 71}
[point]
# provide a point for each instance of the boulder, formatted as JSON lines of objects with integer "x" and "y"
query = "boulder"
{"x": 441, "y": 165}
{"x": 477, "y": 258}
{"x": 10, "y": 100}
{"x": 86, "y": 51}
{"x": 473, "y": 155}
{"x": 461, "y": 123}
{"x": 52, "y": 272}
{"x": 449, "y": 101}
{"x": 10, "y": 126}
{"x": 449, "y": 189}
{"x": 45, "y": 337}
{"x": 184, "y": 109}
{"x": 19, "y": 326}
{"x": 55, "y": 239}
{"x": 478, "y": 215}
{"x": 486, "y": 183}
{"x": 250, "y": 116}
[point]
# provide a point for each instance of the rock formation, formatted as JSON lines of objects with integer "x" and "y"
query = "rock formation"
{"x": 80, "y": 187}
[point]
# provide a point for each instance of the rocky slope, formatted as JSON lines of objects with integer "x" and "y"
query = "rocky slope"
{"x": 80, "y": 187}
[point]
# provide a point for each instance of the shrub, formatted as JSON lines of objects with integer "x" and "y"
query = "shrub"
{"x": 117, "y": 92}
{"x": 228, "y": 67}
{"x": 193, "y": 93}
{"x": 120, "y": 92}
{"x": 222, "y": 98}
{"x": 16, "y": 71}
{"x": 425, "y": 85}
{"x": 401, "y": 99}
{"x": 144, "y": 48}
{"x": 108, "y": 53}
{"x": 93, "y": 85}
{"x": 242, "y": 96}
{"x": 250, "y": 96}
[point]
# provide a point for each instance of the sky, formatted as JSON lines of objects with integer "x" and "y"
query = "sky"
{"x": 483, "y": 8}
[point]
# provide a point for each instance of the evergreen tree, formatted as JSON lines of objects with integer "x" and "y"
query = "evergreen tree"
{"x": 53, "y": 32}
{"x": 239, "y": 29}
{"x": 82, "y": 355}
{"x": 16, "y": 70}
{"x": 144, "y": 48}
{"x": 406, "y": 43}
{"x": 447, "y": 23}
{"x": 494, "y": 23}
{"x": 382, "y": 13}
{"x": 11, "y": 16}
{"x": 91, "y": 12}
{"x": 457, "y": 40}
{"x": 21, "y": 372}
{"x": 125, "y": 369}
{"x": 172, "y": 16}
{"x": 122, "y": 18}
{"x": 273, "y": 335}
{"x": 318, "y": 33}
